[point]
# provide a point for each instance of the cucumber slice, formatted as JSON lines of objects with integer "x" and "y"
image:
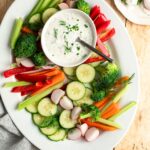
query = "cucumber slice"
{"x": 35, "y": 19}
{"x": 58, "y": 136}
{"x": 85, "y": 73}
{"x": 37, "y": 119}
{"x": 32, "y": 108}
{"x": 86, "y": 100}
{"x": 48, "y": 13}
{"x": 49, "y": 130}
{"x": 70, "y": 71}
{"x": 47, "y": 108}
{"x": 75, "y": 90}
{"x": 66, "y": 121}
{"x": 95, "y": 64}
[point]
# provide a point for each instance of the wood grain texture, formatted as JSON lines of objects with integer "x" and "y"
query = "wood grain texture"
{"x": 138, "y": 137}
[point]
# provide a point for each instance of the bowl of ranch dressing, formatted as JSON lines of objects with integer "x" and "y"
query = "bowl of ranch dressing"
{"x": 59, "y": 37}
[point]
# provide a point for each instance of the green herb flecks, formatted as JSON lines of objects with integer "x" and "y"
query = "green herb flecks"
{"x": 78, "y": 48}
{"x": 55, "y": 33}
{"x": 62, "y": 23}
{"x": 86, "y": 26}
{"x": 67, "y": 47}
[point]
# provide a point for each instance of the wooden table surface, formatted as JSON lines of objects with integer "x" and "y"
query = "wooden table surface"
{"x": 138, "y": 137}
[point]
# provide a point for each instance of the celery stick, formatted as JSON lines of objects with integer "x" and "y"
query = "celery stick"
{"x": 35, "y": 9}
{"x": 14, "y": 84}
{"x": 15, "y": 32}
{"x": 110, "y": 123}
{"x": 123, "y": 110}
{"x": 116, "y": 98}
{"x": 54, "y": 3}
{"x": 38, "y": 97}
{"x": 45, "y": 4}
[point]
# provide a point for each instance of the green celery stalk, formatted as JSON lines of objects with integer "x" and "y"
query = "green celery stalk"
{"x": 15, "y": 32}
{"x": 38, "y": 97}
{"x": 116, "y": 98}
{"x": 123, "y": 110}
{"x": 45, "y": 4}
{"x": 108, "y": 122}
{"x": 54, "y": 3}
{"x": 14, "y": 84}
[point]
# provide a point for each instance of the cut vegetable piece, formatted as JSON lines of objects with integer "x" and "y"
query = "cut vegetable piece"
{"x": 75, "y": 90}
{"x": 66, "y": 103}
{"x": 54, "y": 3}
{"x": 47, "y": 108}
{"x": 38, "y": 96}
{"x": 14, "y": 84}
{"x": 48, "y": 13}
{"x": 74, "y": 134}
{"x": 45, "y": 5}
{"x": 95, "y": 64}
{"x": 86, "y": 99}
{"x": 15, "y": 32}
{"x": 63, "y": 6}
{"x": 88, "y": 85}
{"x": 50, "y": 130}
{"x": 70, "y": 71}
{"x": 27, "y": 63}
{"x": 35, "y": 19}
{"x": 66, "y": 121}
{"x": 58, "y": 136}
{"x": 32, "y": 108}
{"x": 85, "y": 73}
{"x": 35, "y": 9}
{"x": 37, "y": 119}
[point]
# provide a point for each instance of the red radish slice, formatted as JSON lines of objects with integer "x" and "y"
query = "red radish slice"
{"x": 74, "y": 134}
{"x": 92, "y": 134}
{"x": 48, "y": 67}
{"x": 75, "y": 113}
{"x": 83, "y": 128}
{"x": 71, "y": 3}
{"x": 27, "y": 63}
{"x": 57, "y": 95}
{"x": 18, "y": 61}
{"x": 63, "y": 6}
{"x": 66, "y": 103}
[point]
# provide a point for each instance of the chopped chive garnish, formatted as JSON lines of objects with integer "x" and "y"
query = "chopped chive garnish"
{"x": 55, "y": 33}
{"x": 63, "y": 23}
{"x": 85, "y": 25}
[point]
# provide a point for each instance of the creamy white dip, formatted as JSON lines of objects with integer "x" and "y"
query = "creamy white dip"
{"x": 60, "y": 38}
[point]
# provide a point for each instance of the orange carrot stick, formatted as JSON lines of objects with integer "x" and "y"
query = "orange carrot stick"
{"x": 121, "y": 80}
{"x": 54, "y": 80}
{"x": 25, "y": 29}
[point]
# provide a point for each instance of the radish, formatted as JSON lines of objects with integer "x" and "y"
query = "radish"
{"x": 27, "y": 63}
{"x": 63, "y": 6}
{"x": 71, "y": 3}
{"x": 57, "y": 95}
{"x": 92, "y": 134}
{"x": 66, "y": 103}
{"x": 147, "y": 4}
{"x": 74, "y": 134}
{"x": 83, "y": 128}
{"x": 75, "y": 113}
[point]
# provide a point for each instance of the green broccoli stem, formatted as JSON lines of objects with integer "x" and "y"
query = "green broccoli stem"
{"x": 116, "y": 98}
{"x": 122, "y": 111}
{"x": 109, "y": 123}
{"x": 84, "y": 116}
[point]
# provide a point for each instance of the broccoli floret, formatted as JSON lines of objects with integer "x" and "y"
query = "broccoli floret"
{"x": 83, "y": 6}
{"x": 39, "y": 59}
{"x": 107, "y": 74}
{"x": 97, "y": 96}
{"x": 25, "y": 46}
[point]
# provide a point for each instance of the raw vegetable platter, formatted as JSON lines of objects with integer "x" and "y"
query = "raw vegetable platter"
{"x": 63, "y": 124}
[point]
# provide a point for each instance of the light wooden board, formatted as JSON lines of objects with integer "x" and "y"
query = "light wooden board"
{"x": 138, "y": 137}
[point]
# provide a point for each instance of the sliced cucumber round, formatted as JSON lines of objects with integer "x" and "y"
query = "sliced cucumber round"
{"x": 85, "y": 73}
{"x": 58, "y": 136}
{"x": 66, "y": 121}
{"x": 37, "y": 119}
{"x": 95, "y": 64}
{"x": 70, "y": 71}
{"x": 50, "y": 130}
{"x": 35, "y": 19}
{"x": 48, "y": 13}
{"x": 86, "y": 99}
{"x": 32, "y": 108}
{"x": 75, "y": 90}
{"x": 47, "y": 108}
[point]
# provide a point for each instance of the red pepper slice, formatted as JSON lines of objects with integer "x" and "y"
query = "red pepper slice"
{"x": 94, "y": 12}
{"x": 107, "y": 35}
{"x": 15, "y": 71}
{"x": 94, "y": 59}
{"x": 101, "y": 18}
{"x": 103, "y": 26}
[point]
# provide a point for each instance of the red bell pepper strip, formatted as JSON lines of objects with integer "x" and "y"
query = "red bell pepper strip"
{"x": 94, "y": 12}
{"x": 94, "y": 59}
{"x": 25, "y": 29}
{"x": 103, "y": 26}
{"x": 107, "y": 35}
{"x": 101, "y": 18}
{"x": 15, "y": 71}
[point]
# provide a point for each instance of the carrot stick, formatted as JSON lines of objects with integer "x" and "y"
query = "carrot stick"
{"x": 25, "y": 29}
{"x": 56, "y": 79}
{"x": 98, "y": 125}
{"x": 121, "y": 80}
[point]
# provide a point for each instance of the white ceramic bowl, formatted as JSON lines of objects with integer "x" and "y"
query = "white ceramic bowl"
{"x": 48, "y": 52}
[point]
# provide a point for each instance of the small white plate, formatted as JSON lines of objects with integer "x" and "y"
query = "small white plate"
{"x": 135, "y": 14}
